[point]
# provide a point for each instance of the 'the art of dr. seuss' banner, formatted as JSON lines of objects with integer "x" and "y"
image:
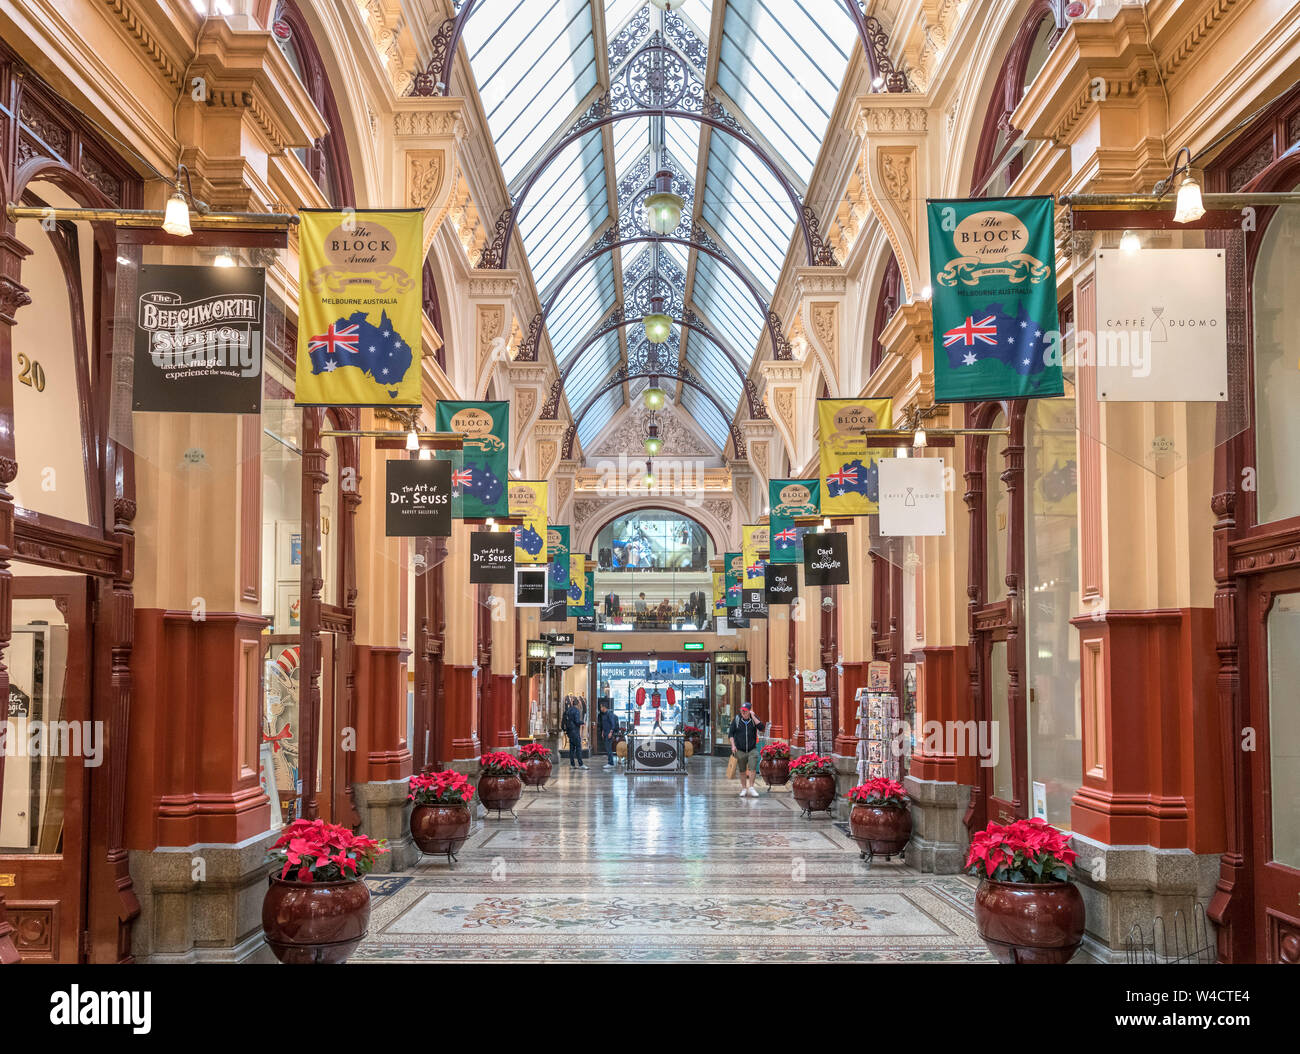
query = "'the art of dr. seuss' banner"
{"x": 557, "y": 555}
{"x": 581, "y": 602}
{"x": 485, "y": 459}
{"x": 359, "y": 317}
{"x": 528, "y": 499}
{"x": 734, "y": 572}
{"x": 719, "y": 593}
{"x": 788, "y": 498}
{"x": 993, "y": 276}
{"x": 850, "y": 484}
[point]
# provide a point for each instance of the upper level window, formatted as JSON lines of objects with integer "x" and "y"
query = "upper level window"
{"x": 1003, "y": 152}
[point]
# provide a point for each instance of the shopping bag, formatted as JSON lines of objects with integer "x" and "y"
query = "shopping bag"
{"x": 732, "y": 768}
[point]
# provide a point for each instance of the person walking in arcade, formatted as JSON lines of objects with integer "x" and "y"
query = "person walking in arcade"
{"x": 743, "y": 733}
{"x": 573, "y": 729}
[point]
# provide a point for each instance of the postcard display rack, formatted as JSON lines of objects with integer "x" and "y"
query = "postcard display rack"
{"x": 878, "y": 714}
{"x": 818, "y": 724}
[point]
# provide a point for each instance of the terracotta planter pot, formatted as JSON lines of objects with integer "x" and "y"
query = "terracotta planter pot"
{"x": 439, "y": 829}
{"x": 536, "y": 772}
{"x": 775, "y": 771}
{"x": 499, "y": 793}
{"x": 814, "y": 793}
{"x": 1030, "y": 923}
{"x": 315, "y": 922}
{"x": 881, "y": 830}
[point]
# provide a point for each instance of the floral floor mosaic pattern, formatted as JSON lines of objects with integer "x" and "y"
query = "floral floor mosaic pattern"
{"x": 606, "y": 867}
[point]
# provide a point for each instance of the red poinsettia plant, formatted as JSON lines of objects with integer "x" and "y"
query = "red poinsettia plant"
{"x": 775, "y": 752}
{"x": 881, "y": 792}
{"x": 692, "y": 730}
{"x": 441, "y": 788}
{"x": 812, "y": 765}
{"x": 316, "y": 851}
{"x": 499, "y": 763}
{"x": 1023, "y": 851}
{"x": 538, "y": 751}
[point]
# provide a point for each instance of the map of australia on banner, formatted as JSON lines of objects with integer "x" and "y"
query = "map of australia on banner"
{"x": 359, "y": 324}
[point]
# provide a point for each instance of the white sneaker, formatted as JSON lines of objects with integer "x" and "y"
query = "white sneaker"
{"x": 753, "y": 792}
{"x": 744, "y": 794}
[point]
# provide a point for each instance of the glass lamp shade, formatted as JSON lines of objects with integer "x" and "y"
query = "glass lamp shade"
{"x": 1190, "y": 206}
{"x": 663, "y": 211}
{"x": 658, "y": 327}
{"x": 668, "y": 5}
{"x": 176, "y": 220}
{"x": 653, "y": 444}
{"x": 654, "y": 398}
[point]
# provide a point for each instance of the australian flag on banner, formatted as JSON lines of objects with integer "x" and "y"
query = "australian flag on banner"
{"x": 855, "y": 478}
{"x": 993, "y": 276}
{"x": 377, "y": 351}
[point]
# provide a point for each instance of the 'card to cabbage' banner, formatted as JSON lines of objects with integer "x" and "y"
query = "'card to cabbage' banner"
{"x": 850, "y": 482}
{"x": 528, "y": 499}
{"x": 993, "y": 276}
{"x": 788, "y": 498}
{"x": 485, "y": 459}
{"x": 557, "y": 555}
{"x": 359, "y": 316}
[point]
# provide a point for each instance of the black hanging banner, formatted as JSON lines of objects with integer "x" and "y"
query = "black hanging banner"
{"x": 781, "y": 584}
{"x": 734, "y": 621}
{"x": 419, "y": 499}
{"x": 826, "y": 559}
{"x": 753, "y": 602}
{"x": 198, "y": 339}
{"x": 557, "y": 610}
{"x": 492, "y": 558}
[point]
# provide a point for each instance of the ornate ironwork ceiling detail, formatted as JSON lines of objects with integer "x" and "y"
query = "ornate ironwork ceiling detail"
{"x": 687, "y": 378}
{"x": 528, "y": 346}
{"x": 551, "y": 408}
{"x": 433, "y": 79}
{"x": 643, "y": 280}
{"x": 632, "y": 191}
{"x": 875, "y": 41}
{"x": 737, "y": 442}
{"x": 624, "y": 46}
{"x": 569, "y": 436}
{"x": 655, "y": 82}
{"x": 757, "y": 411}
{"x": 781, "y": 349}
{"x": 680, "y": 35}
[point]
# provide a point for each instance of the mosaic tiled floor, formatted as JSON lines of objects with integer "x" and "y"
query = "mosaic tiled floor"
{"x": 603, "y": 867}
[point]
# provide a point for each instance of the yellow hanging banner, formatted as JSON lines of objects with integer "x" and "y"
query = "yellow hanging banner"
{"x": 359, "y": 312}
{"x": 850, "y": 479}
{"x": 528, "y": 499}
{"x": 755, "y": 548}
{"x": 578, "y": 598}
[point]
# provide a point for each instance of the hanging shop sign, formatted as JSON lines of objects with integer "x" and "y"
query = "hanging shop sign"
{"x": 912, "y": 499}
{"x": 993, "y": 281}
{"x": 485, "y": 458}
{"x": 786, "y": 499}
{"x": 1162, "y": 326}
{"x": 719, "y": 593}
{"x": 826, "y": 560}
{"x": 557, "y": 606}
{"x": 753, "y": 602}
{"x": 198, "y": 339}
{"x": 563, "y": 655}
{"x": 557, "y": 554}
{"x": 814, "y": 681}
{"x": 849, "y": 484}
{"x": 880, "y": 677}
{"x": 735, "y": 573}
{"x": 528, "y": 500}
{"x": 782, "y": 583}
{"x": 559, "y": 638}
{"x": 530, "y": 587}
{"x": 360, "y": 313}
{"x": 419, "y": 499}
{"x": 579, "y": 602}
{"x": 735, "y": 620}
{"x": 491, "y": 558}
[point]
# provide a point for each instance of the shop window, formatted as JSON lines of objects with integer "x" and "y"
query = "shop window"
{"x": 1277, "y": 381}
{"x": 1284, "y": 726}
{"x": 1051, "y": 599}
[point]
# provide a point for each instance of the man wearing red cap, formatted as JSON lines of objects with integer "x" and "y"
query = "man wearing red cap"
{"x": 744, "y": 731}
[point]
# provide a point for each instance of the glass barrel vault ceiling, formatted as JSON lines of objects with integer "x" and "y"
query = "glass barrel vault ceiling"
{"x": 779, "y": 67}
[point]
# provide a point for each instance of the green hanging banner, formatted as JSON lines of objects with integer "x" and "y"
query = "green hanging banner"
{"x": 485, "y": 468}
{"x": 557, "y": 555}
{"x": 788, "y": 498}
{"x": 734, "y": 566}
{"x": 993, "y": 282}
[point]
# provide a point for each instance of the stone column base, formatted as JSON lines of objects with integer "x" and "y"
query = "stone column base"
{"x": 846, "y": 778}
{"x": 939, "y": 838}
{"x": 1126, "y": 887}
{"x": 385, "y": 813}
{"x": 201, "y": 903}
